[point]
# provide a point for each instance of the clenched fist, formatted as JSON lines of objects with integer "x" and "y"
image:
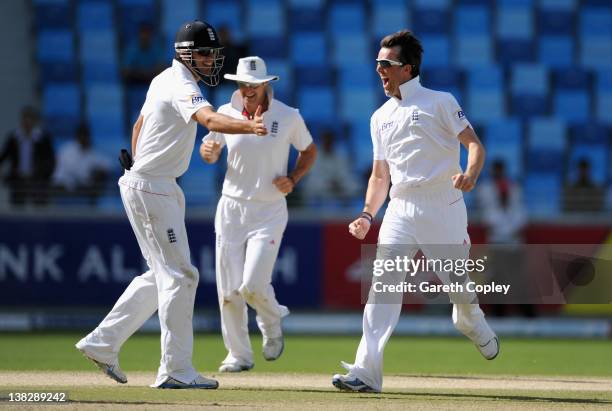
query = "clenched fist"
{"x": 258, "y": 125}
{"x": 359, "y": 228}
{"x": 210, "y": 151}
{"x": 463, "y": 182}
{"x": 284, "y": 184}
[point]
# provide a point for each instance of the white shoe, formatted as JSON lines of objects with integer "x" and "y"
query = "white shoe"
{"x": 349, "y": 382}
{"x": 235, "y": 367}
{"x": 273, "y": 348}
{"x": 112, "y": 370}
{"x": 198, "y": 382}
{"x": 490, "y": 349}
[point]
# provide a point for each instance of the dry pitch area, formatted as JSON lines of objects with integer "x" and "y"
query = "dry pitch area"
{"x": 282, "y": 391}
{"x": 429, "y": 373}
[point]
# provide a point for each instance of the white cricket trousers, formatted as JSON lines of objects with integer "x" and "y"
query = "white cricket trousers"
{"x": 248, "y": 237}
{"x": 156, "y": 210}
{"x": 425, "y": 218}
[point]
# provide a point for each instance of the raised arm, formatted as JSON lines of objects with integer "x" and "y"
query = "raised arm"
{"x": 214, "y": 121}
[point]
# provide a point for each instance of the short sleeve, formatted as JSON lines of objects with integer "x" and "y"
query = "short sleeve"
{"x": 188, "y": 99}
{"x": 377, "y": 146}
{"x": 300, "y": 138}
{"x": 452, "y": 115}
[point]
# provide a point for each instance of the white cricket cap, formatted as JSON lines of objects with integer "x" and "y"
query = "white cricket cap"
{"x": 251, "y": 70}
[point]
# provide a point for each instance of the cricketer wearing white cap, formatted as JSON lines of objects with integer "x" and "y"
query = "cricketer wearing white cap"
{"x": 416, "y": 136}
{"x": 162, "y": 142}
{"x": 252, "y": 212}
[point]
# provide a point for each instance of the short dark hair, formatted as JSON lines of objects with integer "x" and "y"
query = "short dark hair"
{"x": 411, "y": 50}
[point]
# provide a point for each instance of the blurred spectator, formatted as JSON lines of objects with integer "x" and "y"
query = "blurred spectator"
{"x": 81, "y": 171}
{"x": 332, "y": 177}
{"x": 232, "y": 50}
{"x": 144, "y": 57}
{"x": 29, "y": 152}
{"x": 505, "y": 218}
{"x": 502, "y": 207}
{"x": 583, "y": 194}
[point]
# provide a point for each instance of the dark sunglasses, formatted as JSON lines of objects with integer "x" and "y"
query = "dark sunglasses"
{"x": 385, "y": 63}
{"x": 208, "y": 51}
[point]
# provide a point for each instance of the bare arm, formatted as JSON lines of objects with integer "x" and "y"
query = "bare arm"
{"x": 476, "y": 158}
{"x": 378, "y": 188}
{"x": 136, "y": 133}
{"x": 303, "y": 164}
{"x": 214, "y": 121}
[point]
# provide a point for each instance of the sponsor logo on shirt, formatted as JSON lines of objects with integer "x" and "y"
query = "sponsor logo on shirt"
{"x": 386, "y": 125}
{"x": 274, "y": 129}
{"x": 415, "y": 115}
{"x": 460, "y": 114}
{"x": 195, "y": 100}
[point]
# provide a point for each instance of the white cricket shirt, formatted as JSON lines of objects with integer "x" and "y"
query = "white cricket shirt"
{"x": 167, "y": 136}
{"x": 253, "y": 162}
{"x": 417, "y": 135}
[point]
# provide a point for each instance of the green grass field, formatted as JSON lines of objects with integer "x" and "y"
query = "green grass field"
{"x": 420, "y": 373}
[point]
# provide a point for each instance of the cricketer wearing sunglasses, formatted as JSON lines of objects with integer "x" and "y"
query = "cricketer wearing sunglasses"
{"x": 252, "y": 212}
{"x": 416, "y": 136}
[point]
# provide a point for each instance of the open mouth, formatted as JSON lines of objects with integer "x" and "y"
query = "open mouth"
{"x": 385, "y": 81}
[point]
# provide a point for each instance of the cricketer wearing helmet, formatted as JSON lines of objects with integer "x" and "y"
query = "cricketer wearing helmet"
{"x": 163, "y": 138}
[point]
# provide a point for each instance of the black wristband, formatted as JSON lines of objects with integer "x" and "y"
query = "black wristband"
{"x": 367, "y": 216}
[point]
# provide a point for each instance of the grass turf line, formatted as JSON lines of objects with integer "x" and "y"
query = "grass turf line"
{"x": 321, "y": 354}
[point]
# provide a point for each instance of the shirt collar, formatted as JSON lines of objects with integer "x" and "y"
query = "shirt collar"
{"x": 409, "y": 88}
{"x": 182, "y": 70}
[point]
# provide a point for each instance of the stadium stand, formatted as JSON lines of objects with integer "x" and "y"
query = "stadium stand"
{"x": 535, "y": 77}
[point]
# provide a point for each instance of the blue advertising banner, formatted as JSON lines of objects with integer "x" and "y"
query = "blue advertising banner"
{"x": 83, "y": 262}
